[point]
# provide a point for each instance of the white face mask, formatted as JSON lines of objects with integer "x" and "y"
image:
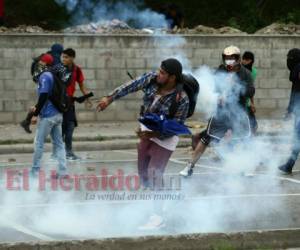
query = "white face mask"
{"x": 230, "y": 62}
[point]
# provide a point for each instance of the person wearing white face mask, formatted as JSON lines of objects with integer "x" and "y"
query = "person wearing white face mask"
{"x": 231, "y": 57}
{"x": 230, "y": 120}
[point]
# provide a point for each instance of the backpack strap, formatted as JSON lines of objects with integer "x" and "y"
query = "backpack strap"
{"x": 175, "y": 102}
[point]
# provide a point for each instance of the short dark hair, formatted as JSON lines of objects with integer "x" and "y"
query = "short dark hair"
{"x": 248, "y": 55}
{"x": 70, "y": 52}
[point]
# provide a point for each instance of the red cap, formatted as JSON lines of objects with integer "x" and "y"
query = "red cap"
{"x": 47, "y": 58}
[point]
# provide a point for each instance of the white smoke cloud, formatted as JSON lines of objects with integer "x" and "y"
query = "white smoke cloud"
{"x": 130, "y": 12}
{"x": 208, "y": 97}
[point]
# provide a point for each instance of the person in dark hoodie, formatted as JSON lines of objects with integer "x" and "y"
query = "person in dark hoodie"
{"x": 55, "y": 52}
{"x": 293, "y": 64}
{"x": 248, "y": 61}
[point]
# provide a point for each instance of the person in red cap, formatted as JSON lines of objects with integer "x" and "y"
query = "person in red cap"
{"x": 50, "y": 118}
{"x": 46, "y": 59}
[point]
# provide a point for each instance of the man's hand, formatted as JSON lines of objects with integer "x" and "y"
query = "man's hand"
{"x": 146, "y": 134}
{"x": 103, "y": 103}
{"x": 34, "y": 120}
{"x": 252, "y": 108}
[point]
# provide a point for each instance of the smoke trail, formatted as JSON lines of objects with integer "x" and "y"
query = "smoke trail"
{"x": 131, "y": 12}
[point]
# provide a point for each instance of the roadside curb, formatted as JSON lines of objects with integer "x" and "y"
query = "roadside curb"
{"x": 116, "y": 144}
{"x": 275, "y": 239}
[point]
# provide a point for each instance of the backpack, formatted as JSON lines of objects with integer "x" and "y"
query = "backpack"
{"x": 191, "y": 86}
{"x": 59, "y": 97}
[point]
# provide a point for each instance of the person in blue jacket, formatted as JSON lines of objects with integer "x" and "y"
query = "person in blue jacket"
{"x": 50, "y": 120}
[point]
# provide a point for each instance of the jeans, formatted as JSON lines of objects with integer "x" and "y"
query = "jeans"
{"x": 152, "y": 161}
{"x": 50, "y": 125}
{"x": 296, "y": 142}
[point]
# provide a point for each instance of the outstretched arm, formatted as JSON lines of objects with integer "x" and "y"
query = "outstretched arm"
{"x": 125, "y": 89}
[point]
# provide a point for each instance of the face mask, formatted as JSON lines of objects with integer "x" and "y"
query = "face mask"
{"x": 40, "y": 68}
{"x": 230, "y": 62}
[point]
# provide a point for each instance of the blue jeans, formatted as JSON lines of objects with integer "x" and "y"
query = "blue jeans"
{"x": 296, "y": 139}
{"x": 50, "y": 125}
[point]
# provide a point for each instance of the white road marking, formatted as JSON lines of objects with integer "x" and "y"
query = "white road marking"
{"x": 25, "y": 230}
{"x": 226, "y": 170}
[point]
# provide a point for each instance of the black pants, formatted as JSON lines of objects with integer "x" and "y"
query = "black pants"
{"x": 253, "y": 121}
{"x": 68, "y": 126}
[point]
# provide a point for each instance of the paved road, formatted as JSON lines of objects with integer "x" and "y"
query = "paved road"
{"x": 217, "y": 198}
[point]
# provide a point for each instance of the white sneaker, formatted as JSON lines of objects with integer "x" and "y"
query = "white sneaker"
{"x": 155, "y": 222}
{"x": 53, "y": 158}
{"x": 187, "y": 171}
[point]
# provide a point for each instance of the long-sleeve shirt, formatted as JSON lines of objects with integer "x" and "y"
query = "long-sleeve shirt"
{"x": 45, "y": 87}
{"x": 147, "y": 84}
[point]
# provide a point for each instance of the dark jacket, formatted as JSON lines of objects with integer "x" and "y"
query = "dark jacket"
{"x": 56, "y": 51}
{"x": 246, "y": 80}
{"x": 294, "y": 103}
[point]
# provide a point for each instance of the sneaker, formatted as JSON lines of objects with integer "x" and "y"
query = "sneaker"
{"x": 287, "y": 167}
{"x": 144, "y": 186}
{"x": 73, "y": 157}
{"x": 53, "y": 158}
{"x": 248, "y": 174}
{"x": 187, "y": 171}
{"x": 25, "y": 125}
{"x": 155, "y": 222}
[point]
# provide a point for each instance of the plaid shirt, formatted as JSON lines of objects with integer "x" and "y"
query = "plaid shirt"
{"x": 147, "y": 83}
